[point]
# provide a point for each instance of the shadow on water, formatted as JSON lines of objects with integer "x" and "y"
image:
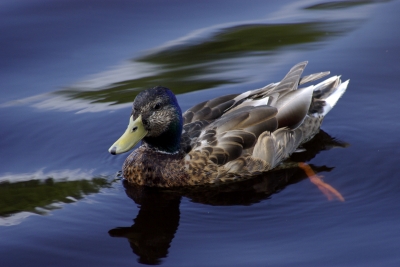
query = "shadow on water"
{"x": 156, "y": 223}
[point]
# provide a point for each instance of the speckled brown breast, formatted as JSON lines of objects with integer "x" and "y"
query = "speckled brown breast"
{"x": 147, "y": 167}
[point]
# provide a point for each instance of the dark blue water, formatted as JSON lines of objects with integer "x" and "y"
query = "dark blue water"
{"x": 69, "y": 71}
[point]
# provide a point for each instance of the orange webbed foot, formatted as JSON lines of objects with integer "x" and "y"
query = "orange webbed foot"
{"x": 327, "y": 189}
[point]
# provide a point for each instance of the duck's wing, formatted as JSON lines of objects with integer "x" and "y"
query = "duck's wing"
{"x": 227, "y": 127}
{"x": 256, "y": 130}
{"x": 227, "y": 138}
{"x": 251, "y": 132}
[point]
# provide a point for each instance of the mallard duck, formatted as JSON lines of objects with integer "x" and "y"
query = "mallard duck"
{"x": 230, "y": 137}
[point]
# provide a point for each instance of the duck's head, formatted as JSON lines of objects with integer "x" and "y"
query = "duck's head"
{"x": 156, "y": 119}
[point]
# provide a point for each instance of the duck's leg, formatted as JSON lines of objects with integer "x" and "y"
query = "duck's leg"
{"x": 327, "y": 189}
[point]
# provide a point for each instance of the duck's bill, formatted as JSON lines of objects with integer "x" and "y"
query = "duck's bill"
{"x": 133, "y": 134}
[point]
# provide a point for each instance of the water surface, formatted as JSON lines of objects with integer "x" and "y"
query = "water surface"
{"x": 69, "y": 72}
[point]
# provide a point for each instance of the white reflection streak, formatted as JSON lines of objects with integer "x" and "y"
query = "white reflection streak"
{"x": 59, "y": 175}
{"x": 63, "y": 103}
{"x": 15, "y": 219}
{"x": 126, "y": 71}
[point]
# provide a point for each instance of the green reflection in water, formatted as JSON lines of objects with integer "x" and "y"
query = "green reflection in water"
{"x": 28, "y": 196}
{"x": 242, "y": 41}
{"x": 195, "y": 65}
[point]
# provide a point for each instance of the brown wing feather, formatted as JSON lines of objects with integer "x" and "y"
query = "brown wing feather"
{"x": 277, "y": 146}
{"x": 293, "y": 107}
{"x": 291, "y": 80}
{"x": 208, "y": 110}
{"x": 313, "y": 77}
{"x": 243, "y": 118}
{"x": 231, "y": 134}
{"x": 245, "y": 138}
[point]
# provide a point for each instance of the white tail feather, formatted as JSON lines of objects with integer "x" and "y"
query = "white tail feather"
{"x": 334, "y": 97}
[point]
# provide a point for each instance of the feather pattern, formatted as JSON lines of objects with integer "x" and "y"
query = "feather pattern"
{"x": 240, "y": 135}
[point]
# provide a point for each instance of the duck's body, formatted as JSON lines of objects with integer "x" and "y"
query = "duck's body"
{"x": 230, "y": 137}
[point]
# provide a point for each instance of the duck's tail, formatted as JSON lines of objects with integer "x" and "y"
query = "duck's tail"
{"x": 326, "y": 94}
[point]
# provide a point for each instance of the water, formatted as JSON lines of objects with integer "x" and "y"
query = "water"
{"x": 69, "y": 71}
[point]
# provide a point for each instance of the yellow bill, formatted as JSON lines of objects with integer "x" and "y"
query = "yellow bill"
{"x": 133, "y": 134}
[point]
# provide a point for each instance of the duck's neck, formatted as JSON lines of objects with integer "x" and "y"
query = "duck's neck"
{"x": 168, "y": 142}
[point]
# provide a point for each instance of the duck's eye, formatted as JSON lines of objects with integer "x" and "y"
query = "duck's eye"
{"x": 157, "y": 106}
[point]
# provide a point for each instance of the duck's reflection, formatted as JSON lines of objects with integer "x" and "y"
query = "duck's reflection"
{"x": 157, "y": 221}
{"x": 155, "y": 225}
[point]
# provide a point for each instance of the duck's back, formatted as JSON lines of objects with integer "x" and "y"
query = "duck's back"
{"x": 248, "y": 133}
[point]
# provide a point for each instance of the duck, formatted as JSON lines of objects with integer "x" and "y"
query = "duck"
{"x": 228, "y": 138}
